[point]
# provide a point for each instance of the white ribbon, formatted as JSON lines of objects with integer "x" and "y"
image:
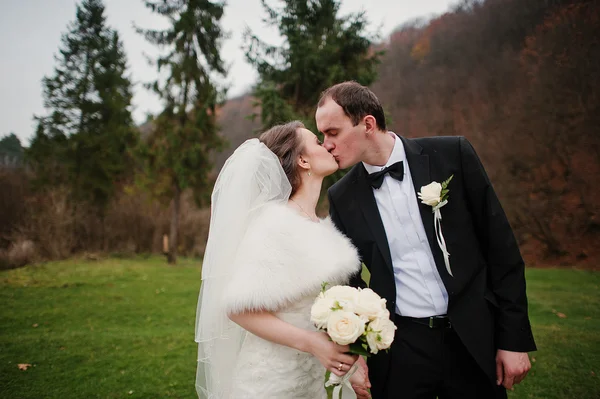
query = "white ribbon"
{"x": 437, "y": 225}
{"x": 342, "y": 384}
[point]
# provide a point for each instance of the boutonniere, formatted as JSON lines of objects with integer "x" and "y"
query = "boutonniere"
{"x": 436, "y": 196}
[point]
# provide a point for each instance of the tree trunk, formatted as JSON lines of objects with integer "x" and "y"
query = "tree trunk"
{"x": 172, "y": 257}
{"x": 103, "y": 246}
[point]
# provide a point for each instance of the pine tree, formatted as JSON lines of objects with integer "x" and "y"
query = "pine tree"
{"x": 320, "y": 49}
{"x": 177, "y": 154}
{"x": 11, "y": 152}
{"x": 10, "y": 144}
{"x": 86, "y": 134}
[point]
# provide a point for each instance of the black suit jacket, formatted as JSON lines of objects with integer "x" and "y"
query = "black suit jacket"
{"x": 487, "y": 302}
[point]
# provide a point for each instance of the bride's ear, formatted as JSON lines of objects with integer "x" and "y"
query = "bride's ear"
{"x": 303, "y": 163}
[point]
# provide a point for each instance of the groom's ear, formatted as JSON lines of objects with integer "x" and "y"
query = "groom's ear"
{"x": 370, "y": 124}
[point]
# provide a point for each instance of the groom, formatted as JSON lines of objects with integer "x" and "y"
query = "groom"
{"x": 463, "y": 329}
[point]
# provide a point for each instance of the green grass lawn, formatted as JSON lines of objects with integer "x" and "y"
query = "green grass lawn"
{"x": 122, "y": 328}
{"x": 105, "y": 329}
{"x": 564, "y": 308}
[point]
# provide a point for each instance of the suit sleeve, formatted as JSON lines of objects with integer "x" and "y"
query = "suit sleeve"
{"x": 356, "y": 279}
{"x": 506, "y": 268}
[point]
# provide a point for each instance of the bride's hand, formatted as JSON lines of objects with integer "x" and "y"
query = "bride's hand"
{"x": 332, "y": 356}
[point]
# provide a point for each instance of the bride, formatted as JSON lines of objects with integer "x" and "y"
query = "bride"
{"x": 267, "y": 255}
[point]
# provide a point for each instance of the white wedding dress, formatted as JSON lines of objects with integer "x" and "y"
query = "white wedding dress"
{"x": 267, "y": 370}
{"x": 262, "y": 256}
{"x": 284, "y": 260}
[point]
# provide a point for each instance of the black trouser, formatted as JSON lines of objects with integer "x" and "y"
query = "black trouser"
{"x": 432, "y": 362}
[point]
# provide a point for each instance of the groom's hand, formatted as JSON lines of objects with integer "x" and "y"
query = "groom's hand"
{"x": 511, "y": 367}
{"x": 360, "y": 380}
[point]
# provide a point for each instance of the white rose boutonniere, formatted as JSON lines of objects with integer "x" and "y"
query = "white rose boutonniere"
{"x": 436, "y": 196}
{"x": 431, "y": 194}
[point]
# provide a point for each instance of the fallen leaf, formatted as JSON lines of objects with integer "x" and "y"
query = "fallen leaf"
{"x": 35, "y": 325}
{"x": 62, "y": 348}
{"x": 588, "y": 318}
{"x": 533, "y": 359}
{"x": 561, "y": 315}
{"x": 593, "y": 374}
{"x": 24, "y": 366}
{"x": 553, "y": 310}
{"x": 130, "y": 392}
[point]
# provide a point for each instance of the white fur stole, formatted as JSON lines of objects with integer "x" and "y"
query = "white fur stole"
{"x": 285, "y": 257}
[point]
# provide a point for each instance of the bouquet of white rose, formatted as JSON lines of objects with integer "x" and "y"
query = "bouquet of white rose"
{"x": 354, "y": 317}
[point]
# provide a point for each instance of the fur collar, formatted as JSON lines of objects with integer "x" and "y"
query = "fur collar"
{"x": 285, "y": 257}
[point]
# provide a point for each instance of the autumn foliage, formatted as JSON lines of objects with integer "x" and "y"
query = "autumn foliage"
{"x": 519, "y": 79}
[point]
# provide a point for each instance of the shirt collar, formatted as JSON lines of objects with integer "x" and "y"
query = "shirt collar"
{"x": 397, "y": 155}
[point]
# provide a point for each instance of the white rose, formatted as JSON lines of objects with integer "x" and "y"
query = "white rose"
{"x": 372, "y": 338}
{"x": 344, "y": 328}
{"x": 386, "y": 314}
{"x": 320, "y": 311}
{"x": 380, "y": 334}
{"x": 370, "y": 304}
{"x": 345, "y": 295}
{"x": 431, "y": 194}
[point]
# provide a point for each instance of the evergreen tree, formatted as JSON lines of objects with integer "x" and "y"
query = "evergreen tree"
{"x": 320, "y": 49}
{"x": 177, "y": 154}
{"x": 11, "y": 152}
{"x": 83, "y": 141}
{"x": 46, "y": 156}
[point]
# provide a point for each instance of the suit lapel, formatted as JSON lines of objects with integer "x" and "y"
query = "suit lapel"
{"x": 368, "y": 205}
{"x": 420, "y": 173}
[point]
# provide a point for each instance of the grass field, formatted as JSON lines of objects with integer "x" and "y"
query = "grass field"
{"x": 123, "y": 328}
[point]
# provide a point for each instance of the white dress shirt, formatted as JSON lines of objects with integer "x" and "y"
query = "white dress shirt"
{"x": 420, "y": 291}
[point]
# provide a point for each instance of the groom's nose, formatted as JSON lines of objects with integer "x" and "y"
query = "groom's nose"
{"x": 328, "y": 144}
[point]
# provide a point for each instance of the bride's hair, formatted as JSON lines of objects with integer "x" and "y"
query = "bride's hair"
{"x": 285, "y": 142}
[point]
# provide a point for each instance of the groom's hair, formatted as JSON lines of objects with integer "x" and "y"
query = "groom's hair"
{"x": 357, "y": 101}
{"x": 285, "y": 142}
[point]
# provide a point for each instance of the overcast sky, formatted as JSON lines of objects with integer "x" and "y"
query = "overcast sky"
{"x": 31, "y": 32}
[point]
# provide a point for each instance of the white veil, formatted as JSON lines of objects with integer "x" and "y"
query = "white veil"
{"x": 250, "y": 178}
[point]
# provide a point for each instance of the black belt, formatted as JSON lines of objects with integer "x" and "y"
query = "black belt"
{"x": 431, "y": 322}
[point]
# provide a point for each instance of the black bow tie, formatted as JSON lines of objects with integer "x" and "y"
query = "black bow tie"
{"x": 395, "y": 170}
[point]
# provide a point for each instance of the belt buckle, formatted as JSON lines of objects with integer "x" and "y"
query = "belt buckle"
{"x": 430, "y": 321}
